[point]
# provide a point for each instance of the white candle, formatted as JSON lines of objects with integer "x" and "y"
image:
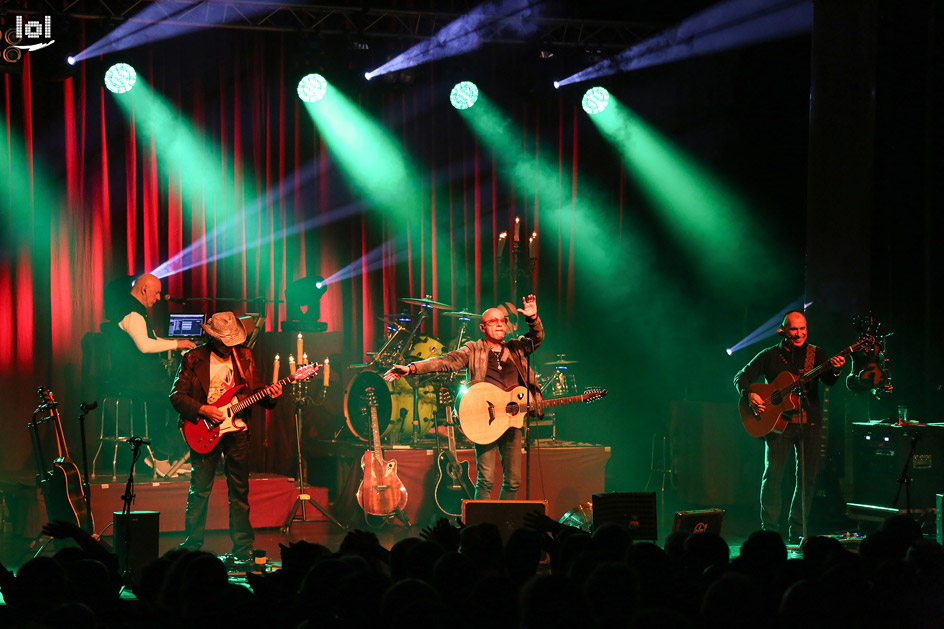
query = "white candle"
{"x": 291, "y": 365}
{"x": 299, "y": 353}
{"x": 275, "y": 369}
{"x": 304, "y": 359}
{"x": 531, "y": 245}
{"x": 501, "y": 242}
{"x": 327, "y": 370}
{"x": 517, "y": 225}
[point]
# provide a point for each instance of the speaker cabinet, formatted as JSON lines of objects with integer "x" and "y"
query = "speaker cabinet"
{"x": 701, "y": 521}
{"x": 136, "y": 541}
{"x": 507, "y": 515}
{"x": 880, "y": 453}
{"x": 635, "y": 510}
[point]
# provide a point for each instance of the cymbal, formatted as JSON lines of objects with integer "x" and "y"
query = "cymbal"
{"x": 429, "y": 303}
{"x": 461, "y": 313}
{"x": 562, "y": 362}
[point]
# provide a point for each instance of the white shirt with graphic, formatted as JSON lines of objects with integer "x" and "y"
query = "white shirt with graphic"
{"x": 221, "y": 377}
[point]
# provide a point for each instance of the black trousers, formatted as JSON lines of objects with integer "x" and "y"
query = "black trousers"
{"x": 233, "y": 448}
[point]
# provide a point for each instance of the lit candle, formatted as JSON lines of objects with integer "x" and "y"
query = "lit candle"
{"x": 304, "y": 359}
{"x": 517, "y": 226}
{"x": 501, "y": 242}
{"x": 327, "y": 370}
{"x": 532, "y": 245}
{"x": 291, "y": 365}
{"x": 275, "y": 369}
{"x": 299, "y": 353}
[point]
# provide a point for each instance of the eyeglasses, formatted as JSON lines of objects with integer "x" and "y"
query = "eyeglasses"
{"x": 496, "y": 321}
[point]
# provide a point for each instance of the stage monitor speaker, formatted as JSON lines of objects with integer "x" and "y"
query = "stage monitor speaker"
{"x": 699, "y": 521}
{"x": 635, "y": 510}
{"x": 136, "y": 541}
{"x": 507, "y": 515}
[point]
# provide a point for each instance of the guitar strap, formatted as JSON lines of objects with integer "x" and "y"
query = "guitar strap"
{"x": 239, "y": 366}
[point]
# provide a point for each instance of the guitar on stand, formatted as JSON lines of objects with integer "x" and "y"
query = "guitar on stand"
{"x": 783, "y": 395}
{"x": 381, "y": 491}
{"x": 60, "y": 481}
{"x": 453, "y": 484}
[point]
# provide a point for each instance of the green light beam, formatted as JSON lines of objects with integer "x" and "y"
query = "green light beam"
{"x": 369, "y": 156}
{"x": 710, "y": 220}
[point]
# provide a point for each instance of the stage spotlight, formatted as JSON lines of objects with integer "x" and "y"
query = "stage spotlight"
{"x": 12, "y": 55}
{"x": 556, "y": 85}
{"x": 595, "y": 100}
{"x": 70, "y": 60}
{"x": 464, "y": 95}
{"x": 303, "y": 305}
{"x": 312, "y": 88}
{"x": 120, "y": 78}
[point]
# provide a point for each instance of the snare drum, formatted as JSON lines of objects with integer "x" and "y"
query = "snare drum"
{"x": 357, "y": 411}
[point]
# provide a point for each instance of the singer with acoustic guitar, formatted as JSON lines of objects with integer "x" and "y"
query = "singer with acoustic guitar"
{"x": 503, "y": 365}
{"x": 208, "y": 375}
{"x": 795, "y": 433}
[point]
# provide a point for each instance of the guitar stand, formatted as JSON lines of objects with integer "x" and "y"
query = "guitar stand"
{"x": 304, "y": 498}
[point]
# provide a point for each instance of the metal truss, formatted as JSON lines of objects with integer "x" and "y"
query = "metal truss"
{"x": 356, "y": 20}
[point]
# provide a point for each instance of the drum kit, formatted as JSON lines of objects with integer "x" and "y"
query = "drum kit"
{"x": 406, "y": 407}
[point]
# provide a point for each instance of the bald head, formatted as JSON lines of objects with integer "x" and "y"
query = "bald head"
{"x": 794, "y": 328}
{"x": 147, "y": 289}
{"x": 494, "y": 324}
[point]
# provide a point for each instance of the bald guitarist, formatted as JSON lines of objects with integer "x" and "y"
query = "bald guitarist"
{"x": 801, "y": 430}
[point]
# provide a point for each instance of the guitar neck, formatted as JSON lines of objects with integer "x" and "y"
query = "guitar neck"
{"x": 819, "y": 369}
{"x": 258, "y": 395}
{"x": 558, "y": 401}
{"x": 375, "y": 434}
{"x": 450, "y": 431}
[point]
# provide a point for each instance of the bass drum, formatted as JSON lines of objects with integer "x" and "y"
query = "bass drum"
{"x": 356, "y": 409}
{"x": 401, "y": 429}
{"x": 424, "y": 347}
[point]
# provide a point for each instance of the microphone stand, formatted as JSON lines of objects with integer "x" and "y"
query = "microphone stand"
{"x": 905, "y": 479}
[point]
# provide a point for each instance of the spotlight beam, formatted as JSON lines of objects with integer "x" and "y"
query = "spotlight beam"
{"x": 769, "y": 327}
{"x": 468, "y": 33}
{"x": 725, "y": 26}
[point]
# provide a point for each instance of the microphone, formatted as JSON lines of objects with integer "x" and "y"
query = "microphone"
{"x": 135, "y": 441}
{"x": 88, "y": 406}
{"x": 176, "y": 300}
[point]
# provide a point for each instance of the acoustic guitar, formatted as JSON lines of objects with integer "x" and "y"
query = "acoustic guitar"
{"x": 60, "y": 479}
{"x": 782, "y": 396}
{"x": 487, "y": 411}
{"x": 381, "y": 491}
{"x": 453, "y": 484}
{"x": 203, "y": 435}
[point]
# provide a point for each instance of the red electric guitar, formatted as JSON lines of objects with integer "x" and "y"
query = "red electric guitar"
{"x": 203, "y": 435}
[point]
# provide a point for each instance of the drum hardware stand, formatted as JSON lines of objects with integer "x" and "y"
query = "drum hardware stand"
{"x": 300, "y": 392}
{"x": 905, "y": 479}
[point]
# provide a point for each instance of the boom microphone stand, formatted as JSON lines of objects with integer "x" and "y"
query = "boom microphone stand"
{"x": 300, "y": 392}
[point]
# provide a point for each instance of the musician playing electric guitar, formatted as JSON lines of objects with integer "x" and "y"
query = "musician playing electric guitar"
{"x": 207, "y": 374}
{"x": 801, "y": 434}
{"x": 503, "y": 364}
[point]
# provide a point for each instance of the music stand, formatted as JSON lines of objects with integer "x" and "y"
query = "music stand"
{"x": 304, "y": 498}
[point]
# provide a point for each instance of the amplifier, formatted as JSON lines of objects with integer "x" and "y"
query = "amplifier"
{"x": 879, "y": 453}
{"x": 635, "y": 510}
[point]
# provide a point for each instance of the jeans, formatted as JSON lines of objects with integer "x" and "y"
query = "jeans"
{"x": 234, "y": 448}
{"x": 780, "y": 450}
{"x": 508, "y": 446}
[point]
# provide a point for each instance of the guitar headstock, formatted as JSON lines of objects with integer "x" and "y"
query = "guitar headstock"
{"x": 865, "y": 342}
{"x": 445, "y": 397}
{"x": 592, "y": 394}
{"x": 306, "y": 371}
{"x": 46, "y": 396}
{"x": 371, "y": 396}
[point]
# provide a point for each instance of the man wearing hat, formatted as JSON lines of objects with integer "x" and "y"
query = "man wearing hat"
{"x": 205, "y": 374}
